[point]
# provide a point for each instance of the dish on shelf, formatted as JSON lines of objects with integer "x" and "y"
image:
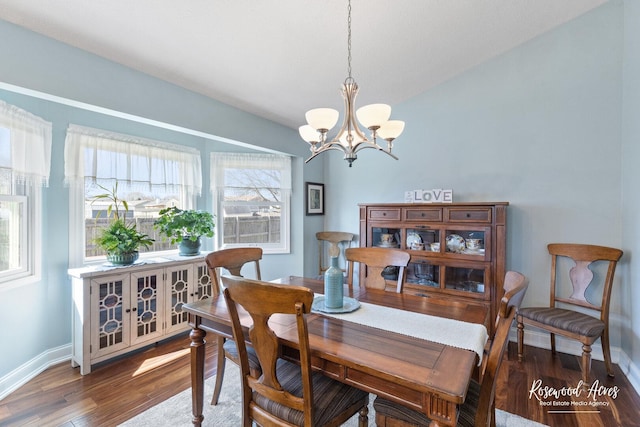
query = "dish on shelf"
{"x": 413, "y": 238}
{"x": 387, "y": 245}
{"x": 473, "y": 251}
{"x": 455, "y": 243}
{"x": 348, "y": 305}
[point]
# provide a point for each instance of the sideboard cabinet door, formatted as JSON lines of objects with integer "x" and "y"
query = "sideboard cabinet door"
{"x": 110, "y": 298}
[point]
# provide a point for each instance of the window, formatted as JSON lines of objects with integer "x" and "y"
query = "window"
{"x": 251, "y": 194}
{"x": 25, "y": 161}
{"x": 150, "y": 175}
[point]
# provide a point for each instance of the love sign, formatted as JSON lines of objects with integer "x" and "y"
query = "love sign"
{"x": 429, "y": 196}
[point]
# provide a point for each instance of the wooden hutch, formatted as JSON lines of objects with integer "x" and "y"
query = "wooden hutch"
{"x": 458, "y": 250}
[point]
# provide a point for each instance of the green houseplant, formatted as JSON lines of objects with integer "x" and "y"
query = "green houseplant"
{"x": 119, "y": 240}
{"x": 185, "y": 227}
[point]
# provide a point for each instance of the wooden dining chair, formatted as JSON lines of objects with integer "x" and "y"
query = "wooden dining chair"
{"x": 231, "y": 260}
{"x": 559, "y": 317}
{"x": 337, "y": 242}
{"x": 376, "y": 260}
{"x": 286, "y": 394}
{"x": 478, "y": 408}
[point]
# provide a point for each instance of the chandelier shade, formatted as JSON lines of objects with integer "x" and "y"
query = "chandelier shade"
{"x": 373, "y": 115}
{"x": 350, "y": 138}
{"x": 322, "y": 118}
{"x": 391, "y": 129}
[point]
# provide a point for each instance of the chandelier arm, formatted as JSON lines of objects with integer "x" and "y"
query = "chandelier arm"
{"x": 327, "y": 147}
{"x": 362, "y": 145}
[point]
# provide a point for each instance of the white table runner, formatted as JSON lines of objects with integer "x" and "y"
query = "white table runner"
{"x": 469, "y": 336}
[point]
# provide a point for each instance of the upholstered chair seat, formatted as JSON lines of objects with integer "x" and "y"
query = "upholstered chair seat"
{"x": 231, "y": 351}
{"x": 567, "y": 320}
{"x": 330, "y": 398}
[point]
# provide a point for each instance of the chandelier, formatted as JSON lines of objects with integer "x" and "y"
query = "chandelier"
{"x": 350, "y": 138}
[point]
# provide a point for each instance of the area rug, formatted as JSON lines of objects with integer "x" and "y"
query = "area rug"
{"x": 176, "y": 411}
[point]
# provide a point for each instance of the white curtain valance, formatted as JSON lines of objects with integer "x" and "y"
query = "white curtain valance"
{"x": 222, "y": 161}
{"x": 30, "y": 141}
{"x": 101, "y": 156}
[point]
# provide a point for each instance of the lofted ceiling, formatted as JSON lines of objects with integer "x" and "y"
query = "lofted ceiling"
{"x": 279, "y": 58}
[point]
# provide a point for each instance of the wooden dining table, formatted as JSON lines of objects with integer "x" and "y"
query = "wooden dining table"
{"x": 418, "y": 373}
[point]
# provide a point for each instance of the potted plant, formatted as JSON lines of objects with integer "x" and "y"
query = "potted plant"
{"x": 119, "y": 240}
{"x": 185, "y": 227}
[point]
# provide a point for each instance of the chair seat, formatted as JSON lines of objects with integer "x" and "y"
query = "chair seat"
{"x": 231, "y": 351}
{"x": 568, "y": 320}
{"x": 330, "y": 397}
{"x": 466, "y": 417}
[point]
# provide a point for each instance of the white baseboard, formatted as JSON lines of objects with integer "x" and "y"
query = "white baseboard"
{"x": 23, "y": 374}
{"x": 536, "y": 338}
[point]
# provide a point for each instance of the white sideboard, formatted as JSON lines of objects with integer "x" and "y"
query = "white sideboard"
{"x": 120, "y": 309}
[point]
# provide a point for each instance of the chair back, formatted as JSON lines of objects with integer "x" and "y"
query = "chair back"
{"x": 261, "y": 300}
{"x": 336, "y": 241}
{"x": 581, "y": 276}
{"x": 515, "y": 286}
{"x": 376, "y": 260}
{"x": 232, "y": 260}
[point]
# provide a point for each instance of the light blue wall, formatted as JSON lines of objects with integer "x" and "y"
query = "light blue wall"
{"x": 631, "y": 176}
{"x": 539, "y": 127}
{"x": 41, "y": 312}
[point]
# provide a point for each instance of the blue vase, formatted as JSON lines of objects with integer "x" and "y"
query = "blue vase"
{"x": 333, "y": 285}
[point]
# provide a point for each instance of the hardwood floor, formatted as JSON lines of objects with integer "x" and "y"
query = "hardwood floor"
{"x": 117, "y": 391}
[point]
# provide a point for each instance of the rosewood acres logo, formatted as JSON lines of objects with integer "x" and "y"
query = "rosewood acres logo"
{"x": 581, "y": 398}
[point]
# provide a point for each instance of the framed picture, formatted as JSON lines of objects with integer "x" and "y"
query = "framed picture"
{"x": 315, "y": 198}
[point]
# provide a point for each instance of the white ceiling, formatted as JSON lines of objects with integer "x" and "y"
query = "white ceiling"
{"x": 279, "y": 58}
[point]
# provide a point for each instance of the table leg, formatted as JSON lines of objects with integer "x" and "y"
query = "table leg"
{"x": 197, "y": 374}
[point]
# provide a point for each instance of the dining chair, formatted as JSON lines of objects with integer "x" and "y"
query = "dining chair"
{"x": 376, "y": 260}
{"x": 287, "y": 393}
{"x": 231, "y": 260}
{"x": 561, "y": 316}
{"x": 478, "y": 408}
{"x": 336, "y": 241}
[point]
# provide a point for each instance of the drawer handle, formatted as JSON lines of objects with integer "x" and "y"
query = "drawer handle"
{"x": 468, "y": 215}
{"x": 384, "y": 214}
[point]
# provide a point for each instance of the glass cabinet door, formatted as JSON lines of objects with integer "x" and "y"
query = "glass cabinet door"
{"x": 423, "y": 239}
{"x": 110, "y": 300}
{"x": 468, "y": 241}
{"x": 465, "y": 279}
{"x": 385, "y": 237}
{"x": 423, "y": 273}
{"x": 147, "y": 311}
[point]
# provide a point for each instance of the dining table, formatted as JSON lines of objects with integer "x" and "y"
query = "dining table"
{"x": 407, "y": 368}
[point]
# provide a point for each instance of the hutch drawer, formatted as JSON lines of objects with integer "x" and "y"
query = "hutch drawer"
{"x": 423, "y": 214}
{"x": 384, "y": 214}
{"x": 468, "y": 214}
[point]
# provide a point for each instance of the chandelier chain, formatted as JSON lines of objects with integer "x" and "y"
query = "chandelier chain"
{"x": 349, "y": 43}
